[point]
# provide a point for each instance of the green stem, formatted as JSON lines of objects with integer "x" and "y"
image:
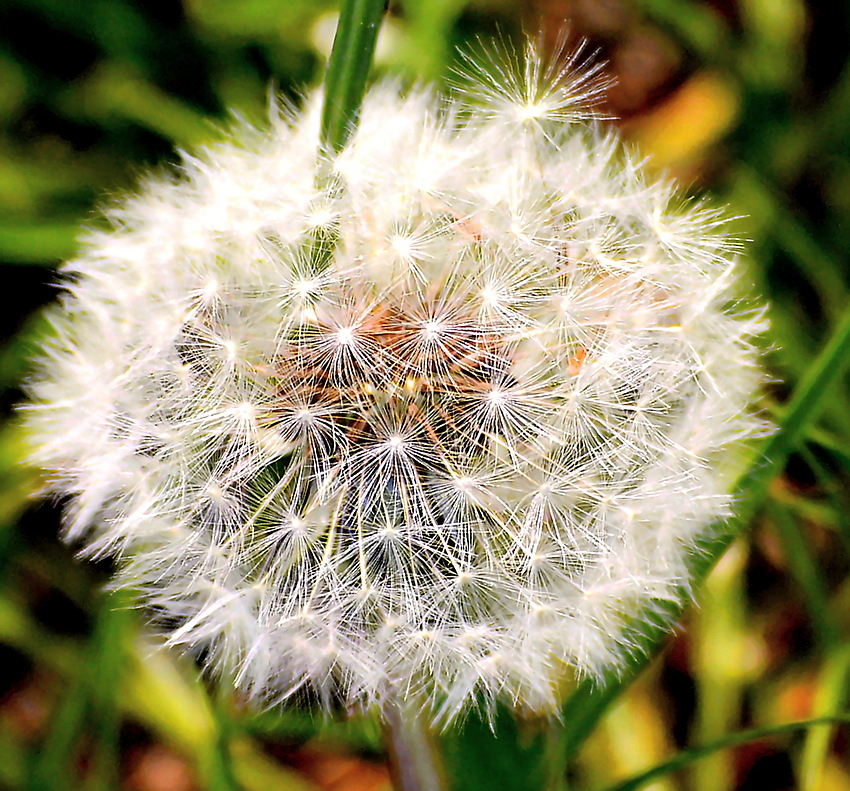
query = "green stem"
{"x": 348, "y": 69}
{"x": 590, "y": 700}
{"x": 805, "y": 572}
{"x": 91, "y": 699}
{"x": 830, "y": 694}
{"x": 687, "y": 757}
{"x": 822, "y": 375}
{"x": 414, "y": 761}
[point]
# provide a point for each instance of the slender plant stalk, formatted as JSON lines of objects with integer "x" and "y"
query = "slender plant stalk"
{"x": 415, "y": 763}
{"x": 90, "y": 699}
{"x": 414, "y": 760}
{"x": 590, "y": 700}
{"x": 687, "y": 757}
{"x": 805, "y": 572}
{"x": 348, "y": 69}
{"x": 831, "y": 692}
{"x": 345, "y": 87}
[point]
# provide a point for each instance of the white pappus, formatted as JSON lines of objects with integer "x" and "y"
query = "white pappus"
{"x": 433, "y": 419}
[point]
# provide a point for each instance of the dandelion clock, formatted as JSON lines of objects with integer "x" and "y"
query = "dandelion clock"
{"x": 432, "y": 418}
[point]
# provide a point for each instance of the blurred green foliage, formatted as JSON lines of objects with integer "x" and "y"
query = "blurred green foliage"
{"x": 748, "y": 99}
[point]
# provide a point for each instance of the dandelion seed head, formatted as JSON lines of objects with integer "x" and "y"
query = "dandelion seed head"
{"x": 451, "y": 457}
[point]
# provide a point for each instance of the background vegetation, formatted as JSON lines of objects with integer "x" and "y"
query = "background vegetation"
{"x": 746, "y": 99}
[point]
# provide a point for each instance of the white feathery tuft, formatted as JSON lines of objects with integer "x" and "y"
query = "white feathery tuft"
{"x": 453, "y": 462}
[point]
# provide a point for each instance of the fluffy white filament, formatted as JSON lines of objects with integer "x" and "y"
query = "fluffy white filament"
{"x": 451, "y": 460}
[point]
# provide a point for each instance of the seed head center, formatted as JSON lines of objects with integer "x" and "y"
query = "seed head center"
{"x": 345, "y": 336}
{"x": 433, "y": 329}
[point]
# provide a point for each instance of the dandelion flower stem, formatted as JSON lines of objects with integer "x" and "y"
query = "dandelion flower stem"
{"x": 348, "y": 69}
{"x": 414, "y": 760}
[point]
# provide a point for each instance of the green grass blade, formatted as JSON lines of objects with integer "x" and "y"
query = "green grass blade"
{"x": 53, "y": 766}
{"x": 110, "y": 644}
{"x": 687, "y": 757}
{"x": 92, "y": 697}
{"x": 830, "y": 695}
{"x": 718, "y": 649}
{"x": 114, "y": 91}
{"x": 348, "y": 69}
{"x": 838, "y": 500}
{"x": 44, "y": 243}
{"x": 502, "y": 754}
{"x": 806, "y": 574}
